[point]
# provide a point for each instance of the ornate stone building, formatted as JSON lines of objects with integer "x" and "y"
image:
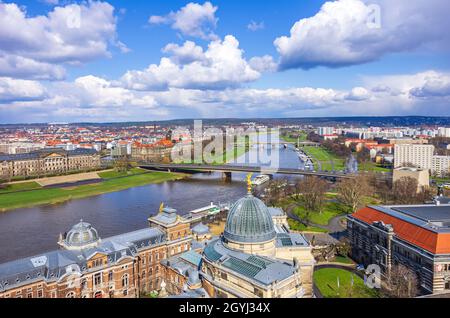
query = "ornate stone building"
{"x": 87, "y": 266}
{"x": 48, "y": 162}
{"x": 256, "y": 256}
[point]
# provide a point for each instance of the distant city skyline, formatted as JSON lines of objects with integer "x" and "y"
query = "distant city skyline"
{"x": 117, "y": 61}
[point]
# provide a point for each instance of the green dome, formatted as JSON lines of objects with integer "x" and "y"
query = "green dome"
{"x": 249, "y": 221}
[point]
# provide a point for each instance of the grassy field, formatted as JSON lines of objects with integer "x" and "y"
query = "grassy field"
{"x": 330, "y": 210}
{"x": 372, "y": 166}
{"x": 343, "y": 260}
{"x": 301, "y": 138}
{"x": 227, "y": 155}
{"x": 297, "y": 226}
{"x": 116, "y": 174}
{"x": 324, "y": 157}
{"x": 20, "y": 187}
{"x": 326, "y": 280}
{"x": 16, "y": 200}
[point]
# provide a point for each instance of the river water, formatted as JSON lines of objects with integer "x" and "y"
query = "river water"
{"x": 31, "y": 231}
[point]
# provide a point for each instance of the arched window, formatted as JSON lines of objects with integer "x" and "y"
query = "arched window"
{"x": 125, "y": 280}
{"x": 70, "y": 294}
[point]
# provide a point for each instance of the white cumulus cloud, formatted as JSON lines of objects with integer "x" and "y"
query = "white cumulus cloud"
{"x": 347, "y": 32}
{"x": 72, "y": 34}
{"x": 193, "y": 20}
{"x": 20, "y": 90}
{"x": 221, "y": 65}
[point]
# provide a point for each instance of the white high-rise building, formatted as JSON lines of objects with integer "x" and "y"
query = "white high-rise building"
{"x": 322, "y": 131}
{"x": 444, "y": 132}
{"x": 441, "y": 166}
{"x": 419, "y": 156}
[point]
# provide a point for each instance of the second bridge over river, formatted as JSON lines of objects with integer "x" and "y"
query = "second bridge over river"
{"x": 227, "y": 170}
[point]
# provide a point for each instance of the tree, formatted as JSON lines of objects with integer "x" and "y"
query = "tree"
{"x": 427, "y": 194}
{"x": 351, "y": 192}
{"x": 363, "y": 155}
{"x": 383, "y": 189}
{"x": 405, "y": 190}
{"x": 274, "y": 192}
{"x": 402, "y": 282}
{"x": 311, "y": 194}
{"x": 343, "y": 248}
{"x": 122, "y": 164}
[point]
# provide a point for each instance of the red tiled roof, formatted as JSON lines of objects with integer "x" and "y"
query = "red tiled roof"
{"x": 437, "y": 243}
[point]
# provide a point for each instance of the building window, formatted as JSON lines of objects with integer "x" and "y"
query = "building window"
{"x": 83, "y": 283}
{"x": 258, "y": 292}
{"x": 70, "y": 294}
{"x": 125, "y": 280}
{"x": 110, "y": 276}
{"x": 125, "y": 292}
{"x": 97, "y": 279}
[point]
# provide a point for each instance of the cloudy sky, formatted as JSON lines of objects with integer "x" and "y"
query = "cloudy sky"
{"x": 69, "y": 61}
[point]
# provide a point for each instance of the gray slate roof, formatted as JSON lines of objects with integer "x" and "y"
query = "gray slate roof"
{"x": 33, "y": 155}
{"x": 53, "y": 265}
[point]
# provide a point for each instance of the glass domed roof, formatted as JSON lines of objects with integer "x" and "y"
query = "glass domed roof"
{"x": 81, "y": 234}
{"x": 249, "y": 221}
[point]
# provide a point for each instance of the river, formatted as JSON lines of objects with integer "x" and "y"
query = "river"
{"x": 30, "y": 231}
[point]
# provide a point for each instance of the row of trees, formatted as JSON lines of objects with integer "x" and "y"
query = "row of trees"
{"x": 310, "y": 192}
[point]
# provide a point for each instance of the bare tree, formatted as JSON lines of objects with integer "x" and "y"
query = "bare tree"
{"x": 402, "y": 282}
{"x": 351, "y": 192}
{"x": 427, "y": 194}
{"x": 311, "y": 194}
{"x": 274, "y": 192}
{"x": 383, "y": 190}
{"x": 122, "y": 164}
{"x": 405, "y": 190}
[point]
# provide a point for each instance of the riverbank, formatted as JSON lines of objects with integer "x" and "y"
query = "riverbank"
{"x": 111, "y": 182}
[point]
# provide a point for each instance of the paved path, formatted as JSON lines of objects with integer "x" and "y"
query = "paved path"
{"x": 45, "y": 181}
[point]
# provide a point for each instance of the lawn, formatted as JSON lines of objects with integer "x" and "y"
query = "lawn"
{"x": 343, "y": 260}
{"x": 326, "y": 280}
{"x": 20, "y": 187}
{"x": 297, "y": 226}
{"x": 325, "y": 158}
{"x": 51, "y": 196}
{"x": 330, "y": 210}
{"x": 302, "y": 137}
{"x": 227, "y": 155}
{"x": 116, "y": 174}
{"x": 372, "y": 166}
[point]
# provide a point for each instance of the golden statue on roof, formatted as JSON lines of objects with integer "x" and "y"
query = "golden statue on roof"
{"x": 161, "y": 207}
{"x": 249, "y": 183}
